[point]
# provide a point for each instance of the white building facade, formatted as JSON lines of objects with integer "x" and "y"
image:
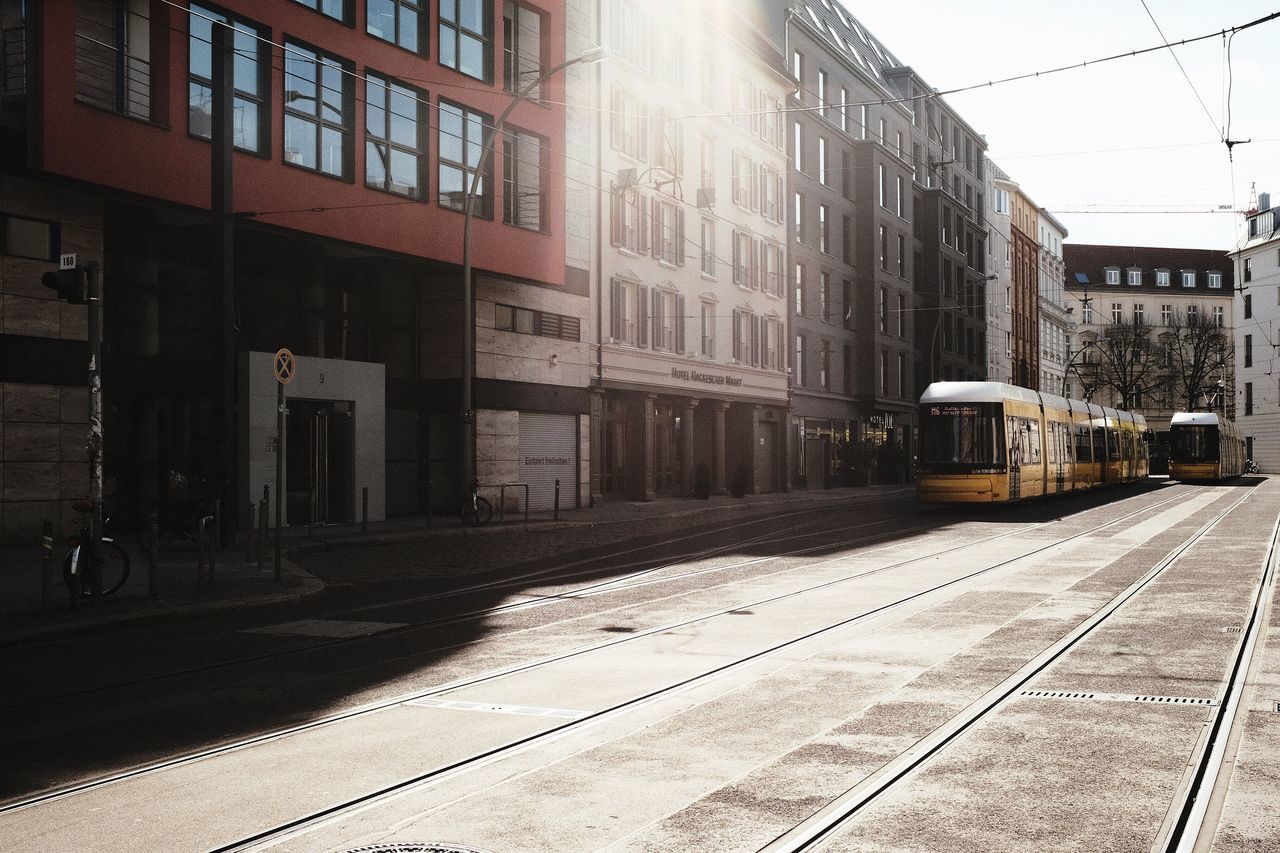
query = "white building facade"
{"x": 1055, "y": 314}
{"x": 1257, "y": 305}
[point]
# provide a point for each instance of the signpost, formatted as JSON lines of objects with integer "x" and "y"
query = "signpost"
{"x": 285, "y": 368}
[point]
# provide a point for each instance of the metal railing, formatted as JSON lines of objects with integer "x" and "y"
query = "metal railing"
{"x": 108, "y": 78}
{"x": 13, "y": 62}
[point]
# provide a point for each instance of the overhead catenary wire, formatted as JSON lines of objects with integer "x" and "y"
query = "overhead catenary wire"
{"x": 1221, "y": 133}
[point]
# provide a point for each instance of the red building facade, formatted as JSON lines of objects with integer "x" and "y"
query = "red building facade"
{"x": 359, "y": 125}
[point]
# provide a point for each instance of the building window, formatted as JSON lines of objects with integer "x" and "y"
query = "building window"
{"x": 1248, "y": 398}
{"x": 1188, "y": 278}
{"x": 1134, "y": 277}
{"x": 524, "y": 189}
{"x": 822, "y": 90}
{"x": 396, "y": 21}
{"x": 884, "y": 310}
{"x": 902, "y": 376}
{"x": 1166, "y": 315}
{"x": 746, "y": 337}
{"x": 461, "y": 143}
{"x": 745, "y": 258}
{"x": 1218, "y": 317}
{"x": 112, "y": 55}
{"x": 1162, "y": 278}
{"x": 250, "y": 114}
{"x": 824, "y": 232}
{"x": 317, "y": 111}
{"x": 522, "y": 64}
{"x": 624, "y": 301}
{"x": 799, "y": 360}
{"x": 799, "y": 218}
{"x": 396, "y": 138}
{"x": 844, "y": 109}
{"x": 902, "y": 316}
{"x": 902, "y": 256}
{"x": 884, "y": 248}
{"x": 822, "y": 161}
{"x": 1193, "y": 314}
{"x": 628, "y": 220}
{"x": 629, "y": 125}
{"x": 1139, "y": 312}
{"x": 1248, "y": 269}
{"x": 708, "y": 330}
{"x": 465, "y": 33}
{"x": 899, "y": 204}
{"x": 1248, "y": 350}
{"x": 824, "y": 297}
{"x": 708, "y": 246}
{"x": 798, "y": 284}
{"x": 668, "y": 232}
{"x": 1215, "y": 280}
{"x": 28, "y": 238}
{"x": 339, "y": 10}
{"x": 1248, "y": 306}
{"x": 884, "y": 186}
{"x": 824, "y": 365}
{"x": 884, "y": 372}
{"x": 509, "y": 318}
{"x": 1117, "y": 312}
{"x": 798, "y": 146}
{"x": 797, "y": 66}
{"x": 668, "y": 321}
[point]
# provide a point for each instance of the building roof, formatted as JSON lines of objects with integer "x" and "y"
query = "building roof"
{"x": 1093, "y": 260}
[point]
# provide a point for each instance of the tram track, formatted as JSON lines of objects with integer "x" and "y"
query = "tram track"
{"x": 1179, "y": 835}
{"x": 510, "y": 748}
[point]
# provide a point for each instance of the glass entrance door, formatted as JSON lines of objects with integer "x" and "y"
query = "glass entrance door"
{"x": 318, "y": 461}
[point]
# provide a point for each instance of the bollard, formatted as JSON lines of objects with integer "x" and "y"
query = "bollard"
{"x": 428, "y": 503}
{"x": 153, "y": 548}
{"x": 252, "y": 543}
{"x": 46, "y": 568}
{"x": 556, "y": 514}
{"x": 364, "y": 510}
{"x": 263, "y": 513}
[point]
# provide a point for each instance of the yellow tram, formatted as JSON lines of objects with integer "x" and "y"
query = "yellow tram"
{"x": 988, "y": 442}
{"x": 1204, "y": 446}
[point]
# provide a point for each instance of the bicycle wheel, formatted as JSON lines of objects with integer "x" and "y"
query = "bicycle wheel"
{"x": 477, "y": 514}
{"x": 115, "y": 567}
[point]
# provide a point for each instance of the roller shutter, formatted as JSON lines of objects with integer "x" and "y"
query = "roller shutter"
{"x": 549, "y": 451}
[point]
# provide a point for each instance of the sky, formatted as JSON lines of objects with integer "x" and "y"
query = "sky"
{"x": 1129, "y": 133}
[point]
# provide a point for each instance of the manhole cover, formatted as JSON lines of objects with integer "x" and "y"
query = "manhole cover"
{"x": 412, "y": 847}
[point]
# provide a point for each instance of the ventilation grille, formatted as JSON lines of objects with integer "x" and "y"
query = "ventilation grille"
{"x": 1086, "y": 696}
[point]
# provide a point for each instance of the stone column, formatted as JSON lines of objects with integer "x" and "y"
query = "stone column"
{"x": 686, "y": 444}
{"x": 718, "y": 448}
{"x": 649, "y": 418}
{"x": 757, "y": 412}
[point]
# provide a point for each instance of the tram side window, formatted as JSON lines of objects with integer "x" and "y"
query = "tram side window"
{"x": 1100, "y": 444}
{"x": 1031, "y": 446}
{"x": 1113, "y": 445}
{"x": 1084, "y": 445}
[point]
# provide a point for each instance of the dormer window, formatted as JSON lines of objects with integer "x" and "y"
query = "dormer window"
{"x": 1215, "y": 280}
{"x": 1188, "y": 278}
{"x": 1162, "y": 278}
{"x": 1134, "y": 276}
{"x": 1112, "y": 275}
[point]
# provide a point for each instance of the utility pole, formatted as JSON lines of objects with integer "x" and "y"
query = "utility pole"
{"x": 221, "y": 209}
{"x": 95, "y": 429}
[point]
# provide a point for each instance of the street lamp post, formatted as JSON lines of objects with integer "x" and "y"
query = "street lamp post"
{"x": 595, "y": 54}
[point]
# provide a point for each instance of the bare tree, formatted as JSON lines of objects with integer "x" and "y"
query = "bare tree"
{"x": 1125, "y": 359}
{"x": 1198, "y": 354}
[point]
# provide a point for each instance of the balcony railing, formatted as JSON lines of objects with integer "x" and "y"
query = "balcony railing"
{"x": 13, "y": 62}
{"x": 108, "y": 78}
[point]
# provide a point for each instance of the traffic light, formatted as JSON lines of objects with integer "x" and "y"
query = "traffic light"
{"x": 71, "y": 285}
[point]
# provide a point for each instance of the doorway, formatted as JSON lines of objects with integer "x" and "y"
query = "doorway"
{"x": 318, "y": 461}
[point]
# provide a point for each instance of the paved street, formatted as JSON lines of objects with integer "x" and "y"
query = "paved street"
{"x": 858, "y": 672}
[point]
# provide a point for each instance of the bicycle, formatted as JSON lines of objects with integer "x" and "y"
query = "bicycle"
{"x": 476, "y": 510}
{"x": 112, "y": 562}
{"x": 176, "y": 520}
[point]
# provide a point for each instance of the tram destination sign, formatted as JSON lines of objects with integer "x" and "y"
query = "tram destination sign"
{"x": 961, "y": 411}
{"x": 705, "y": 378}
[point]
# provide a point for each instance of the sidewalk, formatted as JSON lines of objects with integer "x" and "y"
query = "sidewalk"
{"x": 239, "y": 584}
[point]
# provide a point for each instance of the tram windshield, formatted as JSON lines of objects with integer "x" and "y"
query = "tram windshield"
{"x": 960, "y": 437}
{"x": 1193, "y": 443}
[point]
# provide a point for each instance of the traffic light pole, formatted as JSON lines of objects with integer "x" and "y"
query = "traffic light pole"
{"x": 95, "y": 430}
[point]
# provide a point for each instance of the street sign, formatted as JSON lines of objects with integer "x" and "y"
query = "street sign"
{"x": 285, "y": 366}
{"x": 67, "y": 262}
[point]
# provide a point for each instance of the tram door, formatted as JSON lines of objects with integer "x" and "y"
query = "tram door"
{"x": 1015, "y": 460}
{"x": 318, "y": 461}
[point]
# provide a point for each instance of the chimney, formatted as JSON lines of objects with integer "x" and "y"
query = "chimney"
{"x": 1264, "y": 202}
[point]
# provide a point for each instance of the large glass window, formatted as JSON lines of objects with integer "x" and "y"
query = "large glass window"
{"x": 395, "y": 137}
{"x": 961, "y": 437}
{"x": 317, "y": 111}
{"x": 1191, "y": 443}
{"x": 524, "y": 191}
{"x": 522, "y": 64}
{"x": 397, "y": 21}
{"x": 339, "y": 10}
{"x": 250, "y": 80}
{"x": 462, "y": 137}
{"x": 465, "y": 35}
